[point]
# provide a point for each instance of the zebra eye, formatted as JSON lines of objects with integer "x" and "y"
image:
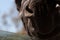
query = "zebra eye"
{"x": 29, "y": 10}
{"x": 57, "y": 5}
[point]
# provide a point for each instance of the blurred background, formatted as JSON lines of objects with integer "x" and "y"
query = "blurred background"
{"x": 11, "y": 28}
{"x": 8, "y": 12}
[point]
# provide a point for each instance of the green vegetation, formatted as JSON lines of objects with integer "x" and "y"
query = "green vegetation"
{"x": 12, "y": 36}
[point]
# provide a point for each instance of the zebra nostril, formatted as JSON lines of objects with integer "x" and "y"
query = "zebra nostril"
{"x": 29, "y": 10}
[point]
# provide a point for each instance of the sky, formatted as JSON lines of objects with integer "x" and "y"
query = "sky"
{"x": 8, "y": 11}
